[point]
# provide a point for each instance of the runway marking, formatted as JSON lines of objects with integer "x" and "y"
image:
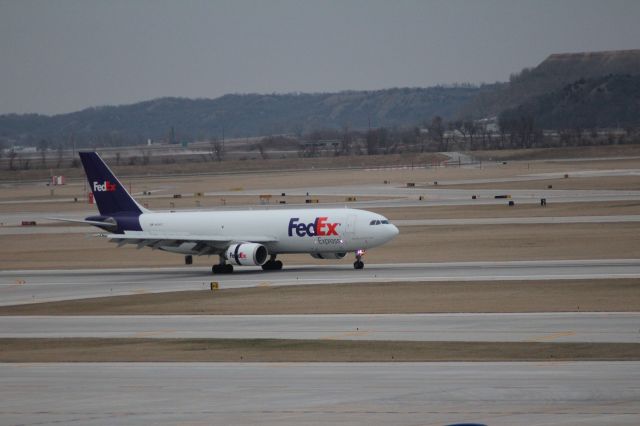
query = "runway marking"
{"x": 388, "y": 278}
{"x": 283, "y": 281}
{"x": 359, "y": 333}
{"x": 552, "y": 336}
{"x": 553, "y": 364}
{"x": 142, "y": 334}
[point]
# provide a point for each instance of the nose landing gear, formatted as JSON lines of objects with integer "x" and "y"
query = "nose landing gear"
{"x": 359, "y": 264}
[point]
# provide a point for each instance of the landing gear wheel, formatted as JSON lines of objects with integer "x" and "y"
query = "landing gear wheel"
{"x": 222, "y": 269}
{"x": 272, "y": 265}
{"x": 358, "y": 264}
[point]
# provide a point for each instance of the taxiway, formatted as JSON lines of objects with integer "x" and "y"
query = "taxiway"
{"x": 496, "y": 394}
{"x": 29, "y": 286}
{"x": 506, "y": 327}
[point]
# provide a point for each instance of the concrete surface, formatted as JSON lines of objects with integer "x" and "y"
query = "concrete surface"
{"x": 31, "y": 286}
{"x": 534, "y": 327}
{"x": 496, "y": 394}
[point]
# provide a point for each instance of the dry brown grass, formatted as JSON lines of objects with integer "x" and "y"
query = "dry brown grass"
{"x": 610, "y": 295}
{"x": 558, "y": 153}
{"x": 623, "y": 183}
{"x": 519, "y": 210}
{"x": 253, "y": 163}
{"x": 274, "y": 350}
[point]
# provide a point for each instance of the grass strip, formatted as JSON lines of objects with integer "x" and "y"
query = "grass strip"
{"x": 282, "y": 350}
{"x": 592, "y": 295}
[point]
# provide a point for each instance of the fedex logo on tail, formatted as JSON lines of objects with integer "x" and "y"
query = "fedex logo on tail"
{"x": 106, "y": 186}
{"x": 319, "y": 227}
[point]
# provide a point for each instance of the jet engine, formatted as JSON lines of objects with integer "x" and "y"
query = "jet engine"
{"x": 328, "y": 255}
{"x": 247, "y": 254}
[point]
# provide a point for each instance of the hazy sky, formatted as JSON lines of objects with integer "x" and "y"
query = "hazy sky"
{"x": 60, "y": 56}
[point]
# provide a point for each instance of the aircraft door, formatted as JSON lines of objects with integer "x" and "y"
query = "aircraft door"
{"x": 350, "y": 228}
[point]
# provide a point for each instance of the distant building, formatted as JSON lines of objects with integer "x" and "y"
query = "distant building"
{"x": 490, "y": 124}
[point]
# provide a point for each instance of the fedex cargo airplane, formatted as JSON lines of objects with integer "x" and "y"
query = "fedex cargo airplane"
{"x": 239, "y": 237}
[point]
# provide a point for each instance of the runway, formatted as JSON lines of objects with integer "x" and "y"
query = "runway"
{"x": 496, "y": 394}
{"x": 17, "y": 287}
{"x": 435, "y": 196}
{"x": 531, "y": 327}
{"x": 544, "y": 176}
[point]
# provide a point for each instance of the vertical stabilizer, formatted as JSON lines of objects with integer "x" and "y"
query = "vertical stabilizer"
{"x": 110, "y": 195}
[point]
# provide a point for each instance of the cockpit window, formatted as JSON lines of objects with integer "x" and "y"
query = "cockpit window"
{"x": 377, "y": 222}
{"x": 384, "y": 222}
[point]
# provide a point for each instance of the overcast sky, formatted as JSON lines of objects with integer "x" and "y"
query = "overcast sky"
{"x": 60, "y": 56}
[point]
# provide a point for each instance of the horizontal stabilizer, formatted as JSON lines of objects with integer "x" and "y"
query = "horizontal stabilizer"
{"x": 86, "y": 222}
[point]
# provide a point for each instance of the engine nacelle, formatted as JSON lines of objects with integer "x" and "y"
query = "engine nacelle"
{"x": 328, "y": 255}
{"x": 247, "y": 254}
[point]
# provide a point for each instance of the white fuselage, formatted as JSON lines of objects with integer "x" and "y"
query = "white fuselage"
{"x": 291, "y": 230}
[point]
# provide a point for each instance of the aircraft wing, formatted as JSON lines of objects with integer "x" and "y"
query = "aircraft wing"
{"x": 203, "y": 244}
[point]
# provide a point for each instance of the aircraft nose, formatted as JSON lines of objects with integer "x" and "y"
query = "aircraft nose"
{"x": 393, "y": 231}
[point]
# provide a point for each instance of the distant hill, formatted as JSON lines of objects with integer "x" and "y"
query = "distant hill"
{"x": 605, "y": 102}
{"x": 552, "y": 74}
{"x": 533, "y": 90}
{"x": 240, "y": 115}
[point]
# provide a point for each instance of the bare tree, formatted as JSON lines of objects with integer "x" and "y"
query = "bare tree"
{"x": 345, "y": 142}
{"x": 216, "y": 149}
{"x": 372, "y": 142}
{"x": 436, "y": 131}
{"x": 42, "y": 148}
{"x": 146, "y": 156}
{"x": 12, "y": 157}
{"x": 59, "y": 155}
{"x": 471, "y": 130}
{"x": 261, "y": 148}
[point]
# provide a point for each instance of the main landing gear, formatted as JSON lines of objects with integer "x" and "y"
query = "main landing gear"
{"x": 272, "y": 264}
{"x": 359, "y": 264}
{"x": 222, "y": 268}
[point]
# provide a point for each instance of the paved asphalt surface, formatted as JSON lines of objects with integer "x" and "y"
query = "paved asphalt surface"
{"x": 534, "y": 327}
{"x": 496, "y": 394}
{"x": 18, "y": 287}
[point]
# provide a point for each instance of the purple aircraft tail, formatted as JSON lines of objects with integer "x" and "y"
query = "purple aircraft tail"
{"x": 109, "y": 194}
